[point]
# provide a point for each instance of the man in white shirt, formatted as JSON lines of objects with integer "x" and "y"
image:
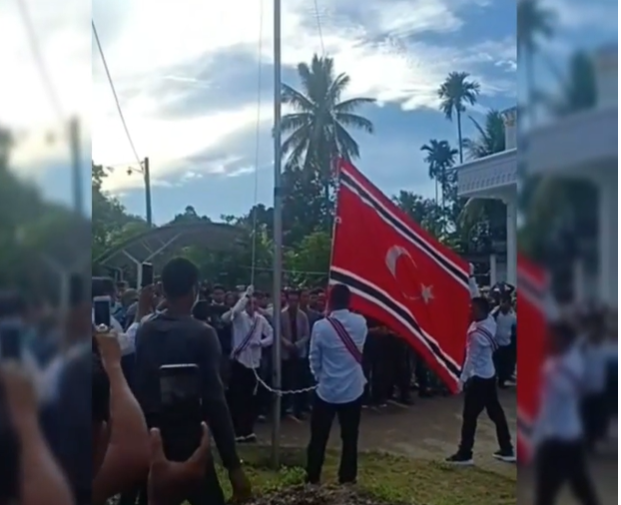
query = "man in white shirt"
{"x": 336, "y": 363}
{"x": 558, "y": 432}
{"x": 506, "y": 322}
{"x": 250, "y": 334}
{"x": 478, "y": 380}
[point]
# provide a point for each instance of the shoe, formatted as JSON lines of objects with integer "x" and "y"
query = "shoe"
{"x": 252, "y": 438}
{"x": 460, "y": 459}
{"x": 262, "y": 419}
{"x": 240, "y": 440}
{"x": 506, "y": 456}
{"x": 294, "y": 418}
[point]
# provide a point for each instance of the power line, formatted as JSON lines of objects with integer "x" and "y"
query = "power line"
{"x": 319, "y": 27}
{"x": 116, "y": 98}
{"x": 39, "y": 60}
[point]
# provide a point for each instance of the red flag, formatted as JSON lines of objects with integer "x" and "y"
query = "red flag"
{"x": 401, "y": 275}
{"x": 531, "y": 342}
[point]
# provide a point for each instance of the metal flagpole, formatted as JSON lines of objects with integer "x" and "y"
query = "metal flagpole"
{"x": 276, "y": 364}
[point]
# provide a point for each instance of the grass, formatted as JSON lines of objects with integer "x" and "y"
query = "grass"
{"x": 385, "y": 478}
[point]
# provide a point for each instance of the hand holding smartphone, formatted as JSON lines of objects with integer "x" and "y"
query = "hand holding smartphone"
{"x": 102, "y": 313}
{"x": 146, "y": 275}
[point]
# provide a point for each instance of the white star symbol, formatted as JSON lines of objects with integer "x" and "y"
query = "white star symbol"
{"x": 425, "y": 293}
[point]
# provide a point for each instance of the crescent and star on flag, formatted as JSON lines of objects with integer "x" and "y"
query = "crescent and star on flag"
{"x": 392, "y": 256}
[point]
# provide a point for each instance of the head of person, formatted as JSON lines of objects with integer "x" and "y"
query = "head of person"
{"x": 180, "y": 284}
{"x": 200, "y": 311}
{"x": 261, "y": 299}
{"x": 320, "y": 300}
{"x": 506, "y": 303}
{"x": 129, "y": 297}
{"x": 304, "y": 298}
{"x": 340, "y": 297}
{"x": 121, "y": 287}
{"x": 479, "y": 308}
{"x": 293, "y": 299}
{"x": 230, "y": 298}
{"x": 283, "y": 298}
{"x": 218, "y": 294}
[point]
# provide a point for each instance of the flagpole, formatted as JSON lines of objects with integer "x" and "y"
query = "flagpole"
{"x": 276, "y": 362}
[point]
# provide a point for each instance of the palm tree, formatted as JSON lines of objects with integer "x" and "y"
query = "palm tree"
{"x": 440, "y": 157}
{"x": 318, "y": 126}
{"x": 491, "y": 138}
{"x": 455, "y": 92}
{"x": 533, "y": 23}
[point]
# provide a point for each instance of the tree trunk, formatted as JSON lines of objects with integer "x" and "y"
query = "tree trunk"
{"x": 459, "y": 139}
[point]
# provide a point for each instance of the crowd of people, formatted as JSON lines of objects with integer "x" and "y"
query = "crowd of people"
{"x": 163, "y": 384}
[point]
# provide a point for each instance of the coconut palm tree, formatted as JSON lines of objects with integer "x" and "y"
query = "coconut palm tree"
{"x": 456, "y": 92}
{"x": 491, "y": 137}
{"x": 534, "y": 22}
{"x": 318, "y": 126}
{"x": 440, "y": 157}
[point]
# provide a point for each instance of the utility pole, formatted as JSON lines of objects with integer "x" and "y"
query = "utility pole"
{"x": 76, "y": 165}
{"x": 276, "y": 374}
{"x": 147, "y": 190}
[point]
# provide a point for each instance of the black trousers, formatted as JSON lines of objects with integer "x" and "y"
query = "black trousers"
{"x": 242, "y": 399}
{"x": 559, "y": 463}
{"x": 321, "y": 423}
{"x": 482, "y": 394}
{"x": 376, "y": 365}
{"x": 594, "y": 418}
{"x": 294, "y": 377}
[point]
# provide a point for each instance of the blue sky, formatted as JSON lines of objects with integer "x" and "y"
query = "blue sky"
{"x": 186, "y": 73}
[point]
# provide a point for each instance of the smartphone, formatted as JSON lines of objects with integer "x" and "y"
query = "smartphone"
{"x": 180, "y": 410}
{"x": 11, "y": 340}
{"x": 146, "y": 276}
{"x": 102, "y": 311}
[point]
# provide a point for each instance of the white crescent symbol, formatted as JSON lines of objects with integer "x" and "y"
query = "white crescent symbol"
{"x": 393, "y": 255}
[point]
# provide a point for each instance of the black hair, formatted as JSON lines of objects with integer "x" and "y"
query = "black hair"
{"x": 218, "y": 287}
{"x": 317, "y": 291}
{"x": 102, "y": 286}
{"x": 100, "y": 395}
{"x": 293, "y": 291}
{"x": 482, "y": 304}
{"x": 506, "y": 297}
{"x": 179, "y": 278}
{"x": 340, "y": 295}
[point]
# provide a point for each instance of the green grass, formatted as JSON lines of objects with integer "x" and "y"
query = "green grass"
{"x": 385, "y": 479}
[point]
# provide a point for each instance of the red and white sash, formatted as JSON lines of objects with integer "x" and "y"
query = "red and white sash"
{"x": 348, "y": 342}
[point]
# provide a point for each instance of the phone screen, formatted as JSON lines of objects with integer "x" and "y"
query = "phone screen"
{"x": 181, "y": 410}
{"x": 102, "y": 311}
{"x": 146, "y": 275}
{"x": 10, "y": 342}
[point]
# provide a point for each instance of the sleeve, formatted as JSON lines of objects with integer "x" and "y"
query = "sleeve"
{"x": 472, "y": 286}
{"x": 267, "y": 333}
{"x": 216, "y": 409}
{"x": 229, "y": 315}
{"x": 314, "y": 356}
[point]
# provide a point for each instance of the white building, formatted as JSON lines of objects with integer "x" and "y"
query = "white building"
{"x": 585, "y": 146}
{"x": 495, "y": 177}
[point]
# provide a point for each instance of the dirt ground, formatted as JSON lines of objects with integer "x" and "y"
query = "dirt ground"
{"x": 430, "y": 430}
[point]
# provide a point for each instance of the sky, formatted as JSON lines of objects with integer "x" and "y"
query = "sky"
{"x": 194, "y": 80}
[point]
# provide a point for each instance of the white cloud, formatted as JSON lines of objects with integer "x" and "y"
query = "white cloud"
{"x": 379, "y": 44}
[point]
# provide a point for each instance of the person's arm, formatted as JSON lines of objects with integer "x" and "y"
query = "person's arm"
{"x": 314, "y": 355}
{"x": 127, "y": 457}
{"x": 216, "y": 409}
{"x": 267, "y": 333}
{"x": 237, "y": 309}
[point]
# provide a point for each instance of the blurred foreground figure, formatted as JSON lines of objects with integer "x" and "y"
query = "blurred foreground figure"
{"x": 560, "y": 456}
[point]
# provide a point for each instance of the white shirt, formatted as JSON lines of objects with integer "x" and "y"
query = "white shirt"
{"x": 595, "y": 368}
{"x": 559, "y": 417}
{"x": 480, "y": 346}
{"x": 242, "y": 324}
{"x": 340, "y": 378}
{"x": 504, "y": 326}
